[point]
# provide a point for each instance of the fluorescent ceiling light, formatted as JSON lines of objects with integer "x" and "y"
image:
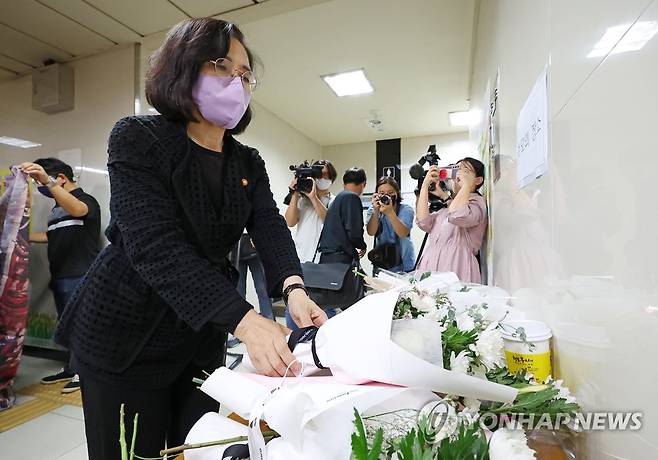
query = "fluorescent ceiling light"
{"x": 621, "y": 39}
{"x": 92, "y": 170}
{"x": 348, "y": 83}
{"x": 464, "y": 118}
{"x": 14, "y": 142}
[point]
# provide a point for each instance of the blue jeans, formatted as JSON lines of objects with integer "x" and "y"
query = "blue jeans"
{"x": 63, "y": 289}
{"x": 260, "y": 284}
{"x": 331, "y": 312}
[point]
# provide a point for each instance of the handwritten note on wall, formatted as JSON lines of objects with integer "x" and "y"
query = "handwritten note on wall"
{"x": 532, "y": 134}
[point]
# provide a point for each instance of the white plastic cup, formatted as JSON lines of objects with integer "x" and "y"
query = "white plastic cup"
{"x": 533, "y": 355}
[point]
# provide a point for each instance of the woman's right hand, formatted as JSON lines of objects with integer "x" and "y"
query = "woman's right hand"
{"x": 266, "y": 344}
{"x": 293, "y": 183}
{"x": 374, "y": 199}
{"x": 431, "y": 176}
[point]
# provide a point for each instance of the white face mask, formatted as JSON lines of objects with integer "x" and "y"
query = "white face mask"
{"x": 323, "y": 184}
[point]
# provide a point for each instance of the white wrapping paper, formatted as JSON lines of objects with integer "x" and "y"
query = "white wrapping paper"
{"x": 313, "y": 419}
{"x": 356, "y": 345}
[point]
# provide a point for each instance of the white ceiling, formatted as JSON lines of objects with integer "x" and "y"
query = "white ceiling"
{"x": 416, "y": 53}
{"x": 32, "y": 31}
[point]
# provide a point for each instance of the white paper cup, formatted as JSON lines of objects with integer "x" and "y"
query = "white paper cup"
{"x": 533, "y": 355}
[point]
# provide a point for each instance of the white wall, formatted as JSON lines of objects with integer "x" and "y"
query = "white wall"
{"x": 577, "y": 247}
{"x": 450, "y": 147}
{"x": 280, "y": 145}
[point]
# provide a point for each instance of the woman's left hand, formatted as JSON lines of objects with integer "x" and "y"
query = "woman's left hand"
{"x": 466, "y": 180}
{"x": 304, "y": 311}
{"x": 314, "y": 190}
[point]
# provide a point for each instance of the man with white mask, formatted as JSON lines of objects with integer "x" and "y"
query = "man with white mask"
{"x": 307, "y": 211}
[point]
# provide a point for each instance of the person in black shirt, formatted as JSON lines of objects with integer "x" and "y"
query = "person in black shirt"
{"x": 342, "y": 236}
{"x": 73, "y": 238}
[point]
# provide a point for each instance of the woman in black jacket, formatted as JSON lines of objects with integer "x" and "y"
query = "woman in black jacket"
{"x": 154, "y": 309}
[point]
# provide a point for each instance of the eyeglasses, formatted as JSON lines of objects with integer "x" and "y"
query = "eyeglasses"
{"x": 224, "y": 67}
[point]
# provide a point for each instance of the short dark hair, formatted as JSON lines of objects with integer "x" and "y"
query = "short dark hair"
{"x": 55, "y": 167}
{"x": 333, "y": 174}
{"x": 478, "y": 168}
{"x": 354, "y": 175}
{"x": 174, "y": 68}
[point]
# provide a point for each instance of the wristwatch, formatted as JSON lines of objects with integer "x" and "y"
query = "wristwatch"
{"x": 51, "y": 182}
{"x": 292, "y": 287}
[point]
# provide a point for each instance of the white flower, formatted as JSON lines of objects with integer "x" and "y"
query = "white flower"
{"x": 465, "y": 322}
{"x": 413, "y": 297}
{"x": 460, "y": 363}
{"x": 564, "y": 392}
{"x": 509, "y": 444}
{"x": 437, "y": 314}
{"x": 425, "y": 303}
{"x": 489, "y": 347}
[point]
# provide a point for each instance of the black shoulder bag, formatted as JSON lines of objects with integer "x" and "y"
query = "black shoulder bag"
{"x": 333, "y": 285}
{"x": 386, "y": 256}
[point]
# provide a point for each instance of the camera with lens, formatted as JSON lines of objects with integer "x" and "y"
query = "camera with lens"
{"x": 385, "y": 256}
{"x": 385, "y": 199}
{"x": 418, "y": 172}
{"x": 305, "y": 173}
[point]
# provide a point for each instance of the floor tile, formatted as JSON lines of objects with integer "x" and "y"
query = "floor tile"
{"x": 79, "y": 453}
{"x": 45, "y": 438}
{"x": 70, "y": 411}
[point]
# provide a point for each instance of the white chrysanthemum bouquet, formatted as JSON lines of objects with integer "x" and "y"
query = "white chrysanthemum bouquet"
{"x": 417, "y": 372}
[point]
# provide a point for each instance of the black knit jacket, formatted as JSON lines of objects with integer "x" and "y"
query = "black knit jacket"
{"x": 162, "y": 294}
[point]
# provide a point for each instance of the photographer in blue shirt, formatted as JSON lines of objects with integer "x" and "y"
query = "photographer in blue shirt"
{"x": 390, "y": 222}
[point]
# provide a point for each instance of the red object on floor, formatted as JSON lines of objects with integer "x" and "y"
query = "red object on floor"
{"x": 14, "y": 283}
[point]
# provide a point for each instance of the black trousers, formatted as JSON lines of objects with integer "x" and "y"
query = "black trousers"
{"x": 165, "y": 415}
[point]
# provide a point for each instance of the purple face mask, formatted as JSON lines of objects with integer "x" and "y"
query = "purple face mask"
{"x": 221, "y": 100}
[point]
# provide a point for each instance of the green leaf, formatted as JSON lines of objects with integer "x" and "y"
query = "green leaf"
{"x": 360, "y": 448}
{"x": 377, "y": 443}
{"x": 359, "y": 440}
{"x": 405, "y": 449}
{"x": 469, "y": 443}
{"x": 455, "y": 341}
{"x": 425, "y": 275}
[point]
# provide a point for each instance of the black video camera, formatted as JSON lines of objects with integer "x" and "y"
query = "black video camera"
{"x": 418, "y": 172}
{"x": 305, "y": 173}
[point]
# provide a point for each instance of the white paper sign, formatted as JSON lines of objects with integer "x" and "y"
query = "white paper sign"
{"x": 532, "y": 134}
